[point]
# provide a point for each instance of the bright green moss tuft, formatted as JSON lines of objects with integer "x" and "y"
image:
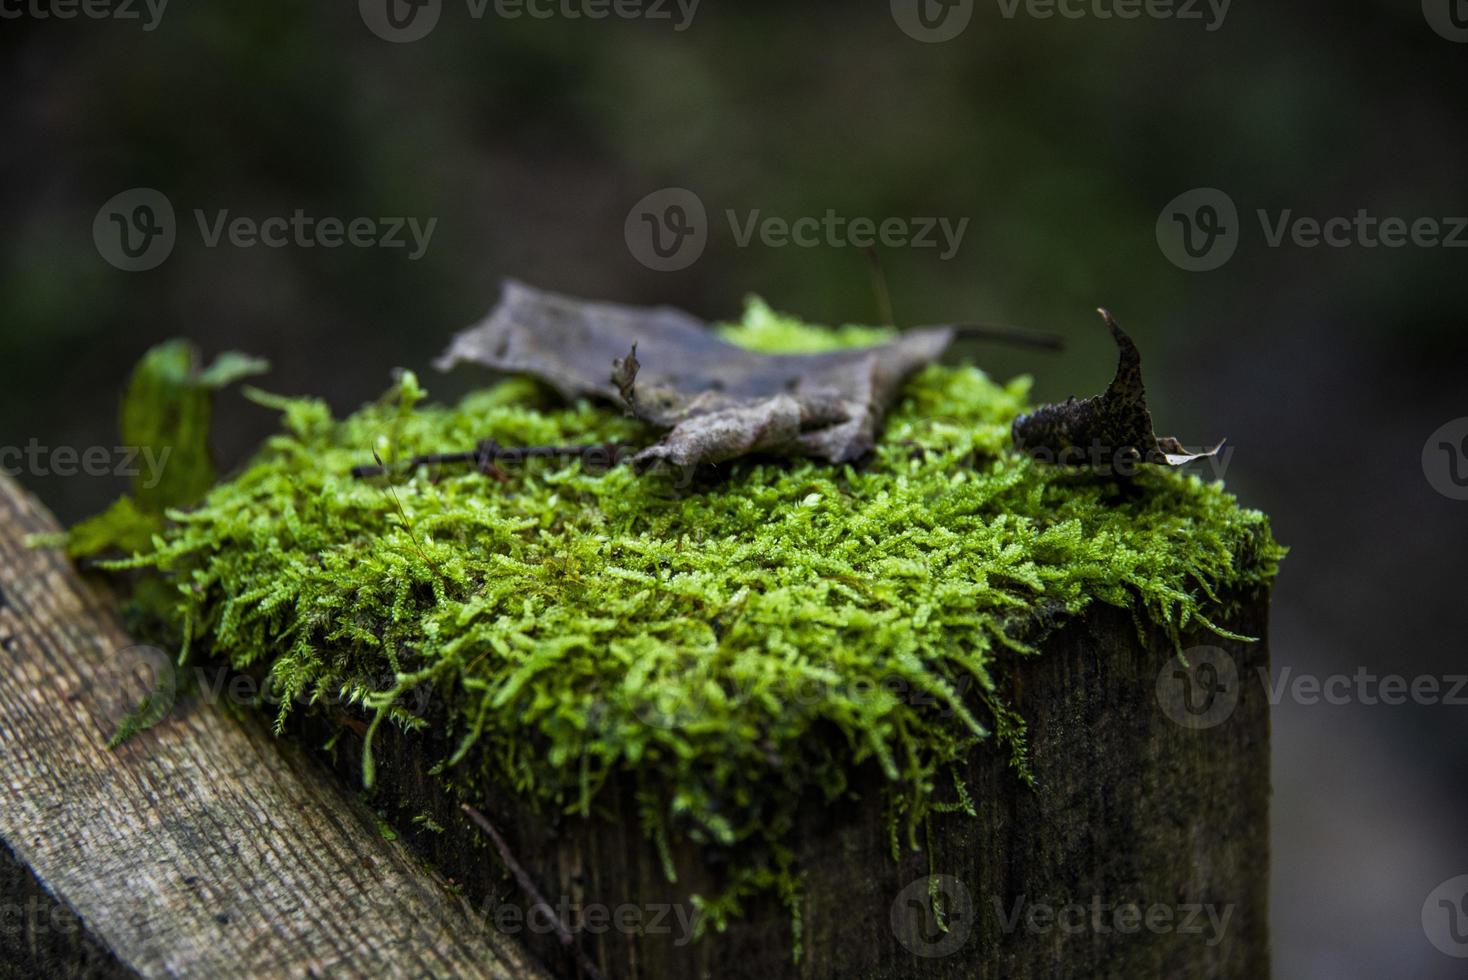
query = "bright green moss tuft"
{"x": 729, "y": 645}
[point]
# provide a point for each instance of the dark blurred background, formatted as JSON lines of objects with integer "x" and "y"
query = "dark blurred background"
{"x": 1061, "y": 140}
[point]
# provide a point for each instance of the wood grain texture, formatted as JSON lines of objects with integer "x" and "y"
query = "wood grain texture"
{"x": 202, "y": 847}
{"x": 1136, "y": 805}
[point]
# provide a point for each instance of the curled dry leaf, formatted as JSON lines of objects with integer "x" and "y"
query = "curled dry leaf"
{"x": 717, "y": 401}
{"x": 1111, "y": 431}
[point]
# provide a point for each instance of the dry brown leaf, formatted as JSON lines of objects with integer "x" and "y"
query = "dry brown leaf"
{"x": 717, "y": 400}
{"x": 1111, "y": 431}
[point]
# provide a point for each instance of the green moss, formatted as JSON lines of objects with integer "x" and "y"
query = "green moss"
{"x": 730, "y": 645}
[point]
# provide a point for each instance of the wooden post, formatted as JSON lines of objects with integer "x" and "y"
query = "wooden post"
{"x": 206, "y": 847}
{"x": 1142, "y": 852}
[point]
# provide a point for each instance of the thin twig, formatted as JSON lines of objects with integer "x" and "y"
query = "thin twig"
{"x": 533, "y": 893}
{"x": 488, "y": 453}
{"x": 407, "y": 524}
{"x": 1015, "y": 336}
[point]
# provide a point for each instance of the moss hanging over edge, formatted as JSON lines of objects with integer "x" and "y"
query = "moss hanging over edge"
{"x": 727, "y": 645}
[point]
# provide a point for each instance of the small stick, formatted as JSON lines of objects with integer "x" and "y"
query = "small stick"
{"x": 528, "y": 887}
{"x": 1015, "y": 336}
{"x": 489, "y": 452}
{"x": 403, "y": 516}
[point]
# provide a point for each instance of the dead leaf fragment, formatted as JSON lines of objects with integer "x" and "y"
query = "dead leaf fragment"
{"x": 1110, "y": 432}
{"x": 718, "y": 401}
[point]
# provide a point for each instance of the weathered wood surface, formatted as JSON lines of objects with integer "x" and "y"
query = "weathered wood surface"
{"x": 1164, "y": 809}
{"x": 204, "y": 847}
